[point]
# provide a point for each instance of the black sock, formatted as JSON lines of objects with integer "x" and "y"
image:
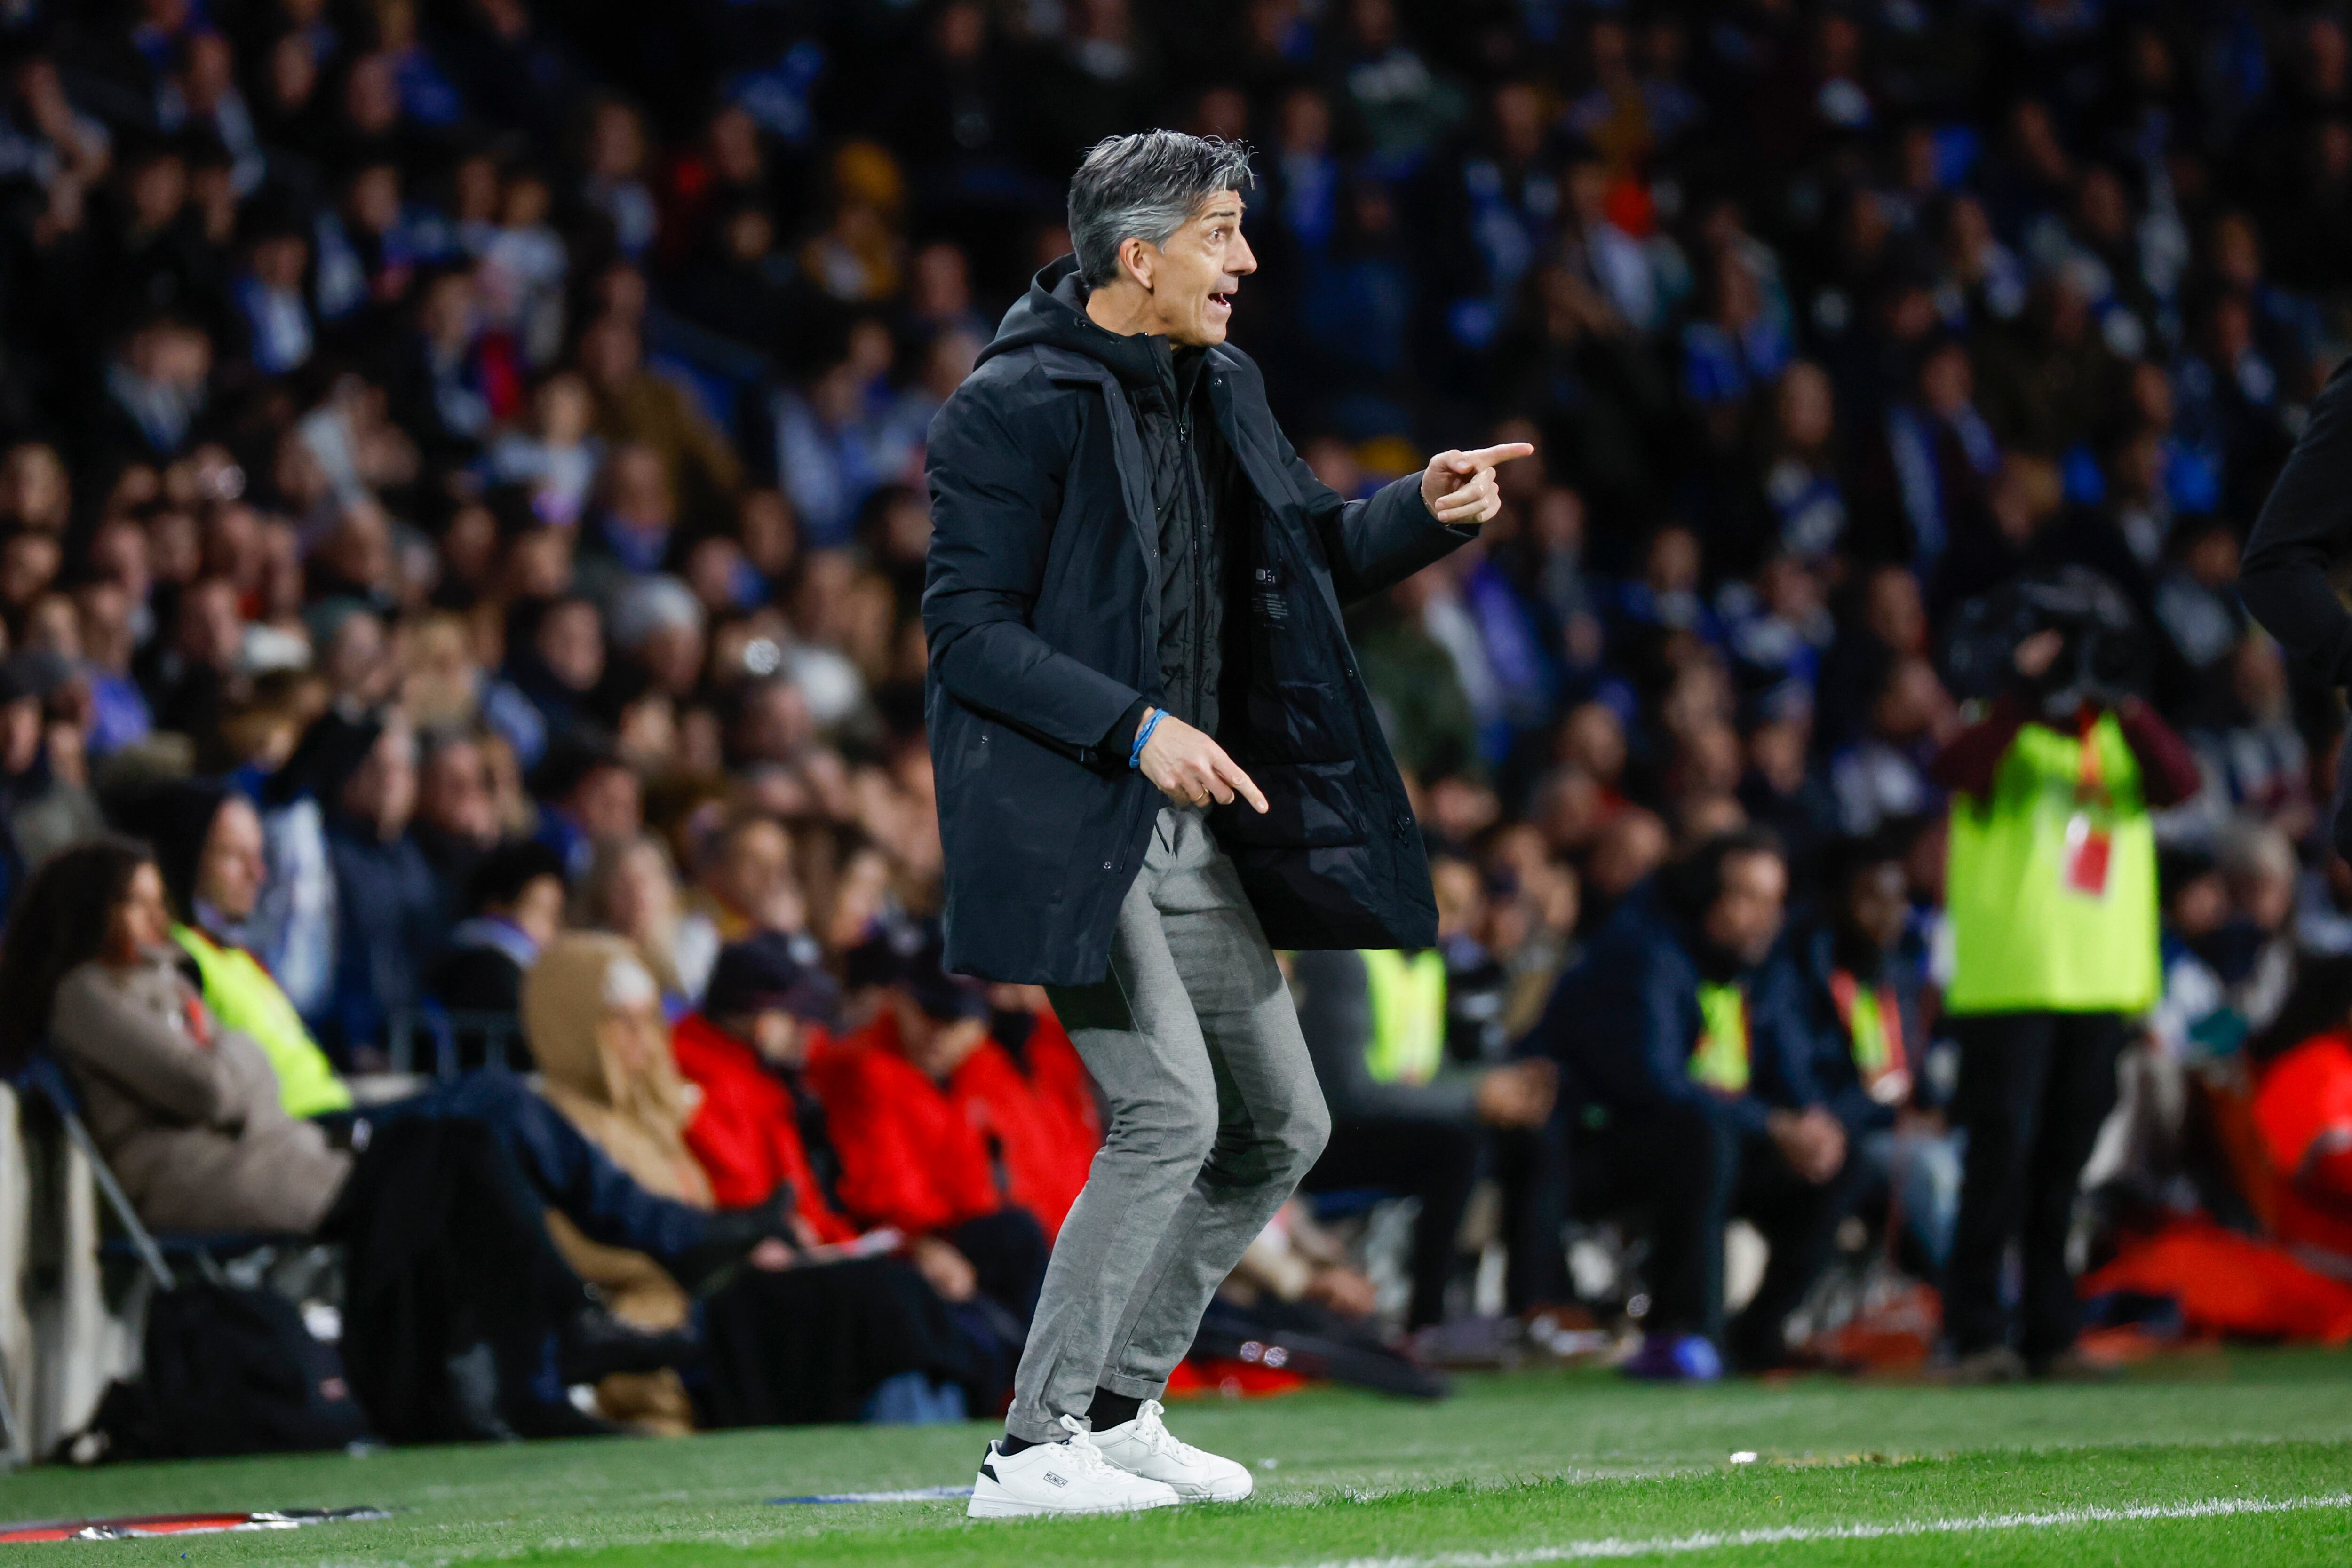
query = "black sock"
{"x": 1111, "y": 1409}
{"x": 1009, "y": 1444}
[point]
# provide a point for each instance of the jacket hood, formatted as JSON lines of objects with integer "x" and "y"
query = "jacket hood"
{"x": 636, "y": 1115}
{"x": 1054, "y": 313}
{"x": 563, "y": 1016}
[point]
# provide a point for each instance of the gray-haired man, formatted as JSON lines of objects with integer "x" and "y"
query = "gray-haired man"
{"x": 1155, "y": 759}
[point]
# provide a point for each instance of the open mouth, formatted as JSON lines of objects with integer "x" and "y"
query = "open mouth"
{"x": 1225, "y": 299}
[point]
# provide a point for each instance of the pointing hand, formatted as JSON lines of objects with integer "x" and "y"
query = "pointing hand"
{"x": 1459, "y": 486}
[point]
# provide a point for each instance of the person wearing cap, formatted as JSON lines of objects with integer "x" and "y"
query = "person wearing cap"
{"x": 42, "y": 812}
{"x": 790, "y": 1337}
{"x": 910, "y": 1155}
{"x": 747, "y": 1048}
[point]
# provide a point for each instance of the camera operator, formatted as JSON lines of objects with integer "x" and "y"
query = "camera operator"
{"x": 2051, "y": 893}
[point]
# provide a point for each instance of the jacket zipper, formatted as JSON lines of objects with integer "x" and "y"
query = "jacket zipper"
{"x": 1184, "y": 453}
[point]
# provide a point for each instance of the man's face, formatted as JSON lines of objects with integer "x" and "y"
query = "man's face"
{"x": 456, "y": 796}
{"x": 1746, "y": 916}
{"x": 775, "y": 1034}
{"x": 1877, "y": 903}
{"x": 608, "y": 804}
{"x": 230, "y": 875}
{"x": 538, "y": 910}
{"x": 384, "y": 788}
{"x": 1194, "y": 274}
{"x": 937, "y": 1046}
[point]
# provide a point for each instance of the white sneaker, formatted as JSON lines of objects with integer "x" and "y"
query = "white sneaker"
{"x": 1067, "y": 1477}
{"x": 1145, "y": 1447}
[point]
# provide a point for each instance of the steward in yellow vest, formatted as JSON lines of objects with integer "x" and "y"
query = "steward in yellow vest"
{"x": 2050, "y": 893}
{"x": 242, "y": 996}
{"x": 1696, "y": 1101}
{"x": 1403, "y": 1118}
{"x": 210, "y": 849}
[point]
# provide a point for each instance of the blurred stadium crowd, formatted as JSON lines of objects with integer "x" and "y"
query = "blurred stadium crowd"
{"x": 488, "y": 436}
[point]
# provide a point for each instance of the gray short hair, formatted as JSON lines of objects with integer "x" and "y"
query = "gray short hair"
{"x": 1145, "y": 186}
{"x": 651, "y": 604}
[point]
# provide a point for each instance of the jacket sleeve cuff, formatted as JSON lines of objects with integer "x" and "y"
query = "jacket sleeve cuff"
{"x": 1119, "y": 739}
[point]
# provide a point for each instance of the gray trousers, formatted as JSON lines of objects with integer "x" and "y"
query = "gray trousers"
{"x": 1215, "y": 1117}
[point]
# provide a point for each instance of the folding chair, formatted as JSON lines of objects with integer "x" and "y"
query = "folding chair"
{"x": 44, "y": 1076}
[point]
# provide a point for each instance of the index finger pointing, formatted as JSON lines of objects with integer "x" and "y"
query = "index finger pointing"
{"x": 1503, "y": 453}
{"x": 1241, "y": 781}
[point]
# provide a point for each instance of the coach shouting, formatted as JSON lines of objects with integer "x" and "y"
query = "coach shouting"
{"x": 1156, "y": 759}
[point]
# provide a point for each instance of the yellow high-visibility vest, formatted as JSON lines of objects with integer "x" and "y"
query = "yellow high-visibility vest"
{"x": 1408, "y": 996}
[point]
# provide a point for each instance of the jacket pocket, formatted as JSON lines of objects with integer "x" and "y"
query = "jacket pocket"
{"x": 1311, "y": 805}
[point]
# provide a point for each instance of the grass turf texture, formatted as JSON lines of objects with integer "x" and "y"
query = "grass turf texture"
{"x": 1534, "y": 1468}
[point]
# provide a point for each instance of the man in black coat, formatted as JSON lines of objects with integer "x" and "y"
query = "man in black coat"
{"x": 1156, "y": 759}
{"x": 2303, "y": 530}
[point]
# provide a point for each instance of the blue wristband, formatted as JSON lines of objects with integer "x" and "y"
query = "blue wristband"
{"x": 1143, "y": 733}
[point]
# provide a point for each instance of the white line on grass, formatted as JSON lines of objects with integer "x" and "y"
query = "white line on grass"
{"x": 1797, "y": 1534}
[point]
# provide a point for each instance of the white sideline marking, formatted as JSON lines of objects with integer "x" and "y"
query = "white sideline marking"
{"x": 1797, "y": 1534}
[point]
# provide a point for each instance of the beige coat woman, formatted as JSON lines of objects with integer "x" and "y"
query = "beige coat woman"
{"x": 592, "y": 1015}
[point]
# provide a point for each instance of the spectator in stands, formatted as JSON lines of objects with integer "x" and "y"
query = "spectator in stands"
{"x": 44, "y": 805}
{"x": 908, "y": 1108}
{"x": 556, "y": 460}
{"x": 513, "y": 907}
{"x": 2052, "y": 894}
{"x": 1858, "y": 992}
{"x": 745, "y": 886}
{"x": 456, "y": 820}
{"x": 212, "y": 858}
{"x": 2303, "y": 1112}
{"x": 747, "y": 1048}
{"x": 634, "y": 405}
{"x": 591, "y": 799}
{"x": 389, "y": 902}
{"x": 791, "y": 1338}
{"x": 1695, "y": 1091}
{"x": 1403, "y": 1118}
{"x": 631, "y": 890}
{"x": 187, "y": 1112}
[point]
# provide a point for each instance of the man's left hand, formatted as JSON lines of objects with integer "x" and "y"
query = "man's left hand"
{"x": 1458, "y": 487}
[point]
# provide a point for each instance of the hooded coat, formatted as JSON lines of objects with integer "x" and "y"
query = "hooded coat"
{"x": 804, "y": 1343}
{"x": 1043, "y": 601}
{"x": 638, "y": 1118}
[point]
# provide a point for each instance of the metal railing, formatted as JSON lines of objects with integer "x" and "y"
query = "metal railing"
{"x": 453, "y": 1041}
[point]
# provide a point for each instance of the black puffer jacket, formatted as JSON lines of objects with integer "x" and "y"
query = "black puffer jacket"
{"x": 1195, "y": 490}
{"x": 1043, "y": 605}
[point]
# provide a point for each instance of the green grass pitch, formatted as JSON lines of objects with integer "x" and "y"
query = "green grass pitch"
{"x": 2243, "y": 1461}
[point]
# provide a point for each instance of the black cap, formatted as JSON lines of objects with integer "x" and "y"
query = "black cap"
{"x": 912, "y": 957}
{"x": 760, "y": 975}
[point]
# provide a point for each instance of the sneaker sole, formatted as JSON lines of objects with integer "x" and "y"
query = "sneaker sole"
{"x": 1001, "y": 1507}
{"x": 1248, "y": 1487}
